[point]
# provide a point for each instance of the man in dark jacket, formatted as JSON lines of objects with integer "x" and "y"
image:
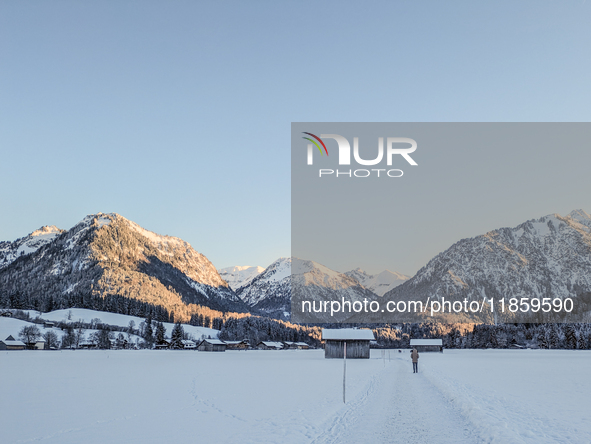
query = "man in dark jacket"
{"x": 415, "y": 360}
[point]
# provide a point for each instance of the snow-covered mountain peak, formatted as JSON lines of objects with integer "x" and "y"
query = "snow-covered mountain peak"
{"x": 47, "y": 230}
{"x": 106, "y": 253}
{"x": 239, "y": 276}
{"x": 580, "y": 217}
{"x": 545, "y": 257}
{"x": 10, "y": 251}
{"x": 379, "y": 283}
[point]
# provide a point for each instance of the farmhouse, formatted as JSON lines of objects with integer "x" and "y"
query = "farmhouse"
{"x": 238, "y": 345}
{"x": 11, "y": 344}
{"x": 296, "y": 345}
{"x": 357, "y": 341}
{"x": 189, "y": 345}
{"x": 269, "y": 345}
{"x": 212, "y": 345}
{"x": 164, "y": 344}
{"x": 427, "y": 345}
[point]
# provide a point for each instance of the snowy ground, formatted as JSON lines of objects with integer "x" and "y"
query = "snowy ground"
{"x": 467, "y": 396}
{"x": 85, "y": 315}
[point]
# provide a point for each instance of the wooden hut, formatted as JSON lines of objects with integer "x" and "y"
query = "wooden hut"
{"x": 269, "y": 345}
{"x": 427, "y": 345}
{"x": 165, "y": 344}
{"x": 11, "y": 344}
{"x": 189, "y": 345}
{"x": 357, "y": 341}
{"x": 212, "y": 345}
{"x": 237, "y": 345}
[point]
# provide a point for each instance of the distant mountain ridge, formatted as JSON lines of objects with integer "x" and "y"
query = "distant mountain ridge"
{"x": 109, "y": 254}
{"x": 239, "y": 276}
{"x": 380, "y": 283}
{"x": 269, "y": 293}
{"x": 547, "y": 257}
{"x": 10, "y": 251}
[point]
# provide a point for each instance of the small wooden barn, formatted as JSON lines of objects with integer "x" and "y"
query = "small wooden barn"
{"x": 295, "y": 345}
{"x": 237, "y": 345}
{"x": 165, "y": 344}
{"x": 270, "y": 345}
{"x": 357, "y": 341}
{"x": 11, "y": 344}
{"x": 189, "y": 345}
{"x": 427, "y": 345}
{"x": 212, "y": 345}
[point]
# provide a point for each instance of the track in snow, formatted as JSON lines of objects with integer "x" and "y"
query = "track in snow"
{"x": 399, "y": 407}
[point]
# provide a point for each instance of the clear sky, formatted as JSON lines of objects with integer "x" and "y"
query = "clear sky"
{"x": 176, "y": 114}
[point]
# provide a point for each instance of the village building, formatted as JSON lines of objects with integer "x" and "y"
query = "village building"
{"x": 11, "y": 344}
{"x": 269, "y": 345}
{"x": 39, "y": 344}
{"x": 357, "y": 341}
{"x": 427, "y": 345}
{"x": 238, "y": 345}
{"x": 212, "y": 345}
{"x": 48, "y": 324}
{"x": 162, "y": 345}
{"x": 189, "y": 345}
{"x": 87, "y": 345}
{"x": 295, "y": 345}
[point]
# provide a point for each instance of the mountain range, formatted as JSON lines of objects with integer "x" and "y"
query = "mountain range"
{"x": 380, "y": 283}
{"x": 549, "y": 257}
{"x": 107, "y": 254}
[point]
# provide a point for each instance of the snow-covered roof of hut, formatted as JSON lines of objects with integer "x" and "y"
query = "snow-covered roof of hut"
{"x": 347, "y": 334}
{"x": 13, "y": 342}
{"x": 214, "y": 342}
{"x": 437, "y": 342}
{"x": 272, "y": 344}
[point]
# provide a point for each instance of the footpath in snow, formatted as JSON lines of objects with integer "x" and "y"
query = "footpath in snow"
{"x": 399, "y": 407}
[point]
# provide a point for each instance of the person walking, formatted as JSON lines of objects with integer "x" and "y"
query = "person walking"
{"x": 415, "y": 360}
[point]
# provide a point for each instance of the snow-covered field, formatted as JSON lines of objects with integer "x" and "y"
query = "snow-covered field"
{"x": 86, "y": 316}
{"x": 465, "y": 396}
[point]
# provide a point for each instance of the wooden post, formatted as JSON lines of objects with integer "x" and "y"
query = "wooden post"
{"x": 344, "y": 369}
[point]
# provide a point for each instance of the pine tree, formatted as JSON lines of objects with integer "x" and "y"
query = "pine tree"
{"x": 553, "y": 339}
{"x": 160, "y": 332}
{"x": 149, "y": 332}
{"x": 176, "y": 340}
{"x": 570, "y": 337}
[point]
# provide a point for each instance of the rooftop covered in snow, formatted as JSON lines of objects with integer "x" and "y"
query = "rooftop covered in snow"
{"x": 347, "y": 334}
{"x": 437, "y": 342}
